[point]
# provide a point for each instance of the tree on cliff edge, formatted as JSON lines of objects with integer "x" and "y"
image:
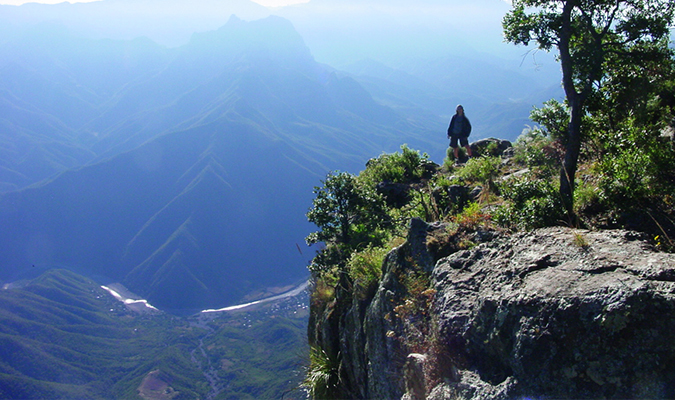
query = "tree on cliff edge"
{"x": 348, "y": 215}
{"x": 587, "y": 34}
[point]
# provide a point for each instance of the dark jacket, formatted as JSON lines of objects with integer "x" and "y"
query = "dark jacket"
{"x": 466, "y": 127}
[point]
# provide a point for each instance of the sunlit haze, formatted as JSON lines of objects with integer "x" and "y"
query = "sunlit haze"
{"x": 279, "y": 3}
{"x": 266, "y": 3}
{"x": 20, "y": 2}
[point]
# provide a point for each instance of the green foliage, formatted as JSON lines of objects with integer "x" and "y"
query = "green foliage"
{"x": 492, "y": 149}
{"x": 365, "y": 269}
{"x": 449, "y": 160}
{"x": 639, "y": 88}
{"x": 604, "y": 47}
{"x": 586, "y": 196}
{"x": 635, "y": 162}
{"x": 553, "y": 117}
{"x": 481, "y": 170}
{"x": 442, "y": 204}
{"x": 625, "y": 177}
{"x": 323, "y": 290}
{"x": 404, "y": 167}
{"x": 349, "y": 212}
{"x": 580, "y": 240}
{"x": 325, "y": 260}
{"x": 632, "y": 177}
{"x": 422, "y": 206}
{"x": 322, "y": 378}
{"x": 630, "y": 110}
{"x": 444, "y": 181}
{"x": 63, "y": 337}
{"x": 538, "y": 152}
{"x": 598, "y": 32}
{"x": 346, "y": 211}
{"x": 257, "y": 357}
{"x": 531, "y": 204}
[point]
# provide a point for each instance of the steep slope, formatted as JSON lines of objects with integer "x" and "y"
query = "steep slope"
{"x": 262, "y": 68}
{"x": 533, "y": 314}
{"x": 34, "y": 145}
{"x": 201, "y": 161}
{"x": 51, "y": 84}
{"x": 423, "y": 59}
{"x": 71, "y": 77}
{"x": 224, "y": 186}
{"x": 497, "y": 95}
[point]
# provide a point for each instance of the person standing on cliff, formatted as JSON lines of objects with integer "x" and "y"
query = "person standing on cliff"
{"x": 459, "y": 130}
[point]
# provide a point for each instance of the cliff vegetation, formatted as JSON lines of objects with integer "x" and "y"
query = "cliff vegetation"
{"x": 473, "y": 280}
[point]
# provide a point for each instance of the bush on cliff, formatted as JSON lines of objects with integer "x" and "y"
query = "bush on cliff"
{"x": 349, "y": 215}
{"x": 404, "y": 167}
{"x": 532, "y": 203}
{"x": 351, "y": 212}
{"x": 322, "y": 378}
{"x": 349, "y": 268}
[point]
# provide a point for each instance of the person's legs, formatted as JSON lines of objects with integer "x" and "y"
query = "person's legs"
{"x": 465, "y": 143}
{"x": 453, "y": 144}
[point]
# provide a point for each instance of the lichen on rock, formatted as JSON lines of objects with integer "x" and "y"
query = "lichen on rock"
{"x": 557, "y": 320}
{"x": 540, "y": 314}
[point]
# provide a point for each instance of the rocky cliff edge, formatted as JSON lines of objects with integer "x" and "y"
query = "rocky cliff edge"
{"x": 552, "y": 313}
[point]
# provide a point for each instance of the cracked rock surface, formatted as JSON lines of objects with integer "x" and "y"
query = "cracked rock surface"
{"x": 557, "y": 313}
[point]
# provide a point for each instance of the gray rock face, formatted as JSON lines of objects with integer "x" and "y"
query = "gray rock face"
{"x": 558, "y": 313}
{"x": 553, "y": 313}
{"x": 363, "y": 333}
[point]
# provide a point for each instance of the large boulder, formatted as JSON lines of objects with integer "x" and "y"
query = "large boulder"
{"x": 490, "y": 147}
{"x": 557, "y": 313}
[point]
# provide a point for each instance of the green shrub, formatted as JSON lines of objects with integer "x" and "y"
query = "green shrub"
{"x": 349, "y": 214}
{"x": 443, "y": 204}
{"x": 443, "y": 181}
{"x": 538, "y": 152}
{"x": 327, "y": 259}
{"x": 633, "y": 173}
{"x": 472, "y": 218}
{"x": 365, "y": 269}
{"x": 531, "y": 204}
{"x": 323, "y": 290}
{"x": 449, "y": 161}
{"x": 404, "y": 167}
{"x": 322, "y": 378}
{"x": 481, "y": 170}
{"x": 492, "y": 149}
{"x": 553, "y": 117}
{"x": 586, "y": 196}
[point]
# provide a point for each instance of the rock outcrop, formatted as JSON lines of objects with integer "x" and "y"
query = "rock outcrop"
{"x": 553, "y": 313}
{"x": 559, "y": 313}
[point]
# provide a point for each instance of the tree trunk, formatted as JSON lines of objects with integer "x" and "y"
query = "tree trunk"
{"x": 576, "y": 102}
{"x": 572, "y": 150}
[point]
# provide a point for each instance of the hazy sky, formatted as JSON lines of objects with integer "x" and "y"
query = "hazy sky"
{"x": 19, "y": 2}
{"x": 267, "y": 3}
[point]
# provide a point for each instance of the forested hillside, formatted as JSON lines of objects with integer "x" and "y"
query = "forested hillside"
{"x": 64, "y": 337}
